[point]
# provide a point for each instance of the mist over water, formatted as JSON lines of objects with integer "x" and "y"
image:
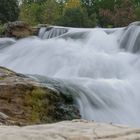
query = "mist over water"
{"x": 100, "y": 68}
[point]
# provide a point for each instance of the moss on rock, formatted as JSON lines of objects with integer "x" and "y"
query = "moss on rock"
{"x": 28, "y": 102}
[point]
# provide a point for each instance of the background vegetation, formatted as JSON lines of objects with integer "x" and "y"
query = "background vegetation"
{"x": 76, "y": 13}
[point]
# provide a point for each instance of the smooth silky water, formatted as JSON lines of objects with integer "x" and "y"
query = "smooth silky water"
{"x": 100, "y": 68}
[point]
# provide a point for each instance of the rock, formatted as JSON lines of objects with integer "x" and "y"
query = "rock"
{"x": 70, "y": 130}
{"x": 28, "y": 102}
{"x": 35, "y": 31}
{"x": 18, "y": 29}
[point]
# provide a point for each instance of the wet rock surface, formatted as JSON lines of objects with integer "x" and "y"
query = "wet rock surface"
{"x": 24, "y": 101}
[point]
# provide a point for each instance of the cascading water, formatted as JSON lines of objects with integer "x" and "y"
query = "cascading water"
{"x": 4, "y": 42}
{"x": 95, "y": 66}
{"x": 51, "y": 32}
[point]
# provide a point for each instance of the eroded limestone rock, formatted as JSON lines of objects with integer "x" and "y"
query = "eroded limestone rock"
{"x": 70, "y": 130}
{"x": 26, "y": 102}
{"x": 18, "y": 29}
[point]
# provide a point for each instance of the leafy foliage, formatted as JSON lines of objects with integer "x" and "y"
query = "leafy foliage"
{"x": 121, "y": 15}
{"x": 50, "y": 12}
{"x": 77, "y": 13}
{"x": 2, "y": 30}
{"x": 8, "y": 10}
{"x": 74, "y": 17}
{"x": 31, "y": 13}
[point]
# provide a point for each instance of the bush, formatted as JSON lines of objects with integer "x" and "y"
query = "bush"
{"x": 76, "y": 17}
{"x": 2, "y": 30}
{"x": 31, "y": 13}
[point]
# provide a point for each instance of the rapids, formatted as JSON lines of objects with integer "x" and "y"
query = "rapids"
{"x": 99, "y": 68}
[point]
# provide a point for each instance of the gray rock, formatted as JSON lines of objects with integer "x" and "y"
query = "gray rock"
{"x": 71, "y": 130}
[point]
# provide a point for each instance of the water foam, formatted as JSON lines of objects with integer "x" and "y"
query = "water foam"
{"x": 102, "y": 75}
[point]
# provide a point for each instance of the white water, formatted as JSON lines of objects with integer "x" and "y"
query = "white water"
{"x": 50, "y": 32}
{"x": 102, "y": 75}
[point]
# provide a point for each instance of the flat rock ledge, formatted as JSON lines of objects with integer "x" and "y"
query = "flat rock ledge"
{"x": 70, "y": 130}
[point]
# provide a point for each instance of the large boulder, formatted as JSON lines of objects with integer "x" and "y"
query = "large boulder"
{"x": 70, "y": 130}
{"x": 24, "y": 101}
{"x": 18, "y": 29}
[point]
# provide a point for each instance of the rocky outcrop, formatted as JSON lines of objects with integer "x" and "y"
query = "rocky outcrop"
{"x": 18, "y": 29}
{"x": 70, "y": 130}
{"x": 23, "y": 101}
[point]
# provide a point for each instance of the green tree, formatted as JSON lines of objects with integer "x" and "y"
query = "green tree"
{"x": 73, "y": 4}
{"x": 122, "y": 15}
{"x": 80, "y": 13}
{"x": 136, "y": 2}
{"x": 51, "y": 11}
{"x": 90, "y": 6}
{"x": 94, "y": 6}
{"x": 33, "y": 1}
{"x": 40, "y": 11}
{"x": 137, "y": 13}
{"x": 8, "y": 10}
{"x": 76, "y": 17}
{"x": 31, "y": 13}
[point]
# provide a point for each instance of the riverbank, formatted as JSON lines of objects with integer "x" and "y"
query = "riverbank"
{"x": 70, "y": 130}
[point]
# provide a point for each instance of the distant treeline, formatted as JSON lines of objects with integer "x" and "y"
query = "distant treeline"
{"x": 75, "y": 13}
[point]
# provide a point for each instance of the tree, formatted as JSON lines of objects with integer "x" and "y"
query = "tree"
{"x": 61, "y": 4}
{"x": 50, "y": 11}
{"x": 81, "y": 13}
{"x": 72, "y": 4}
{"x": 32, "y": 1}
{"x": 94, "y": 6}
{"x": 31, "y": 13}
{"x": 35, "y": 12}
{"x": 90, "y": 6}
{"x": 8, "y": 10}
{"x": 76, "y": 17}
{"x": 122, "y": 14}
{"x": 137, "y": 13}
{"x": 136, "y": 2}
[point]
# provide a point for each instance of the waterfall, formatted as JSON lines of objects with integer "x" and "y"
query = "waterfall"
{"x": 99, "y": 67}
{"x": 4, "y": 42}
{"x": 130, "y": 39}
{"x": 51, "y": 32}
